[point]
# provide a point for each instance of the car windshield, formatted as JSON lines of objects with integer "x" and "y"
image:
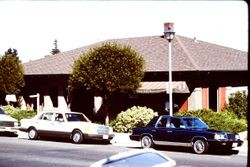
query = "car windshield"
{"x": 75, "y": 117}
{"x": 1, "y": 111}
{"x": 195, "y": 123}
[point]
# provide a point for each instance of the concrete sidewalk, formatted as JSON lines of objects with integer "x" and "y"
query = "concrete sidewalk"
{"x": 244, "y": 148}
{"x": 122, "y": 139}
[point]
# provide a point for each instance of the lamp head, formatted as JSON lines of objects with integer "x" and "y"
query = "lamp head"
{"x": 169, "y": 31}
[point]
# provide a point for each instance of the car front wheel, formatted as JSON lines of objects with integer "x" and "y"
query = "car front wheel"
{"x": 200, "y": 146}
{"x": 77, "y": 137}
{"x": 147, "y": 142}
{"x": 32, "y": 133}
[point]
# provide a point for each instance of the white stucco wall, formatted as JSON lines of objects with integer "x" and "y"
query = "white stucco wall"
{"x": 195, "y": 99}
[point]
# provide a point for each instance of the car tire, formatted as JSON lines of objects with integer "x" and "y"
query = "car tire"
{"x": 77, "y": 137}
{"x": 147, "y": 142}
{"x": 200, "y": 146}
{"x": 33, "y": 134}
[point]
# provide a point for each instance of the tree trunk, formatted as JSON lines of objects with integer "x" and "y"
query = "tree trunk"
{"x": 107, "y": 119}
{"x": 2, "y": 98}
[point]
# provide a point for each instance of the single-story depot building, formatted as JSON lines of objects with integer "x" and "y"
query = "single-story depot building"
{"x": 201, "y": 73}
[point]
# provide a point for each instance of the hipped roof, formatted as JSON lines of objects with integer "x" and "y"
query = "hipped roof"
{"x": 187, "y": 55}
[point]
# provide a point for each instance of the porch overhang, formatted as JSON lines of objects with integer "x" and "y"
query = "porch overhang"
{"x": 161, "y": 87}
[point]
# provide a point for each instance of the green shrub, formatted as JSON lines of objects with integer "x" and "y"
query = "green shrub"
{"x": 133, "y": 117}
{"x": 225, "y": 121}
{"x": 238, "y": 104}
{"x": 18, "y": 113}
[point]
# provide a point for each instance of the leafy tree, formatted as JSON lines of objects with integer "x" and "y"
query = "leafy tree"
{"x": 11, "y": 74}
{"x": 107, "y": 69}
{"x": 238, "y": 104}
{"x": 12, "y": 52}
{"x": 55, "y": 50}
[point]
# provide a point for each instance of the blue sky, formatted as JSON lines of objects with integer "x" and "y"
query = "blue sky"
{"x": 32, "y": 26}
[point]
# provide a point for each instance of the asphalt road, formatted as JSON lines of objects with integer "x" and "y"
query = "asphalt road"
{"x": 21, "y": 152}
{"x": 26, "y": 153}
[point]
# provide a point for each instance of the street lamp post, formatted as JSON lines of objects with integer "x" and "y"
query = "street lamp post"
{"x": 169, "y": 35}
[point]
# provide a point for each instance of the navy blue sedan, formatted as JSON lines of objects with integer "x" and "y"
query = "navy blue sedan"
{"x": 184, "y": 131}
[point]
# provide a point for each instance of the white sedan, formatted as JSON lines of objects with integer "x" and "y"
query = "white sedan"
{"x": 7, "y": 123}
{"x": 73, "y": 125}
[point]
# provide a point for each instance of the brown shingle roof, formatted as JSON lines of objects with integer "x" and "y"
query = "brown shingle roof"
{"x": 187, "y": 55}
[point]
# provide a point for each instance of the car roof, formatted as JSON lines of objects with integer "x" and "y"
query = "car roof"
{"x": 63, "y": 112}
{"x": 131, "y": 153}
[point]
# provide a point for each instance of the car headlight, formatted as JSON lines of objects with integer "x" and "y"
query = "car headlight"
{"x": 16, "y": 124}
{"x": 220, "y": 136}
{"x": 237, "y": 137}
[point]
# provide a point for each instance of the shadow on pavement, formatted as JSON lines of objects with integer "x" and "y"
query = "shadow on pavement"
{"x": 211, "y": 151}
{"x": 8, "y": 134}
{"x": 66, "y": 140}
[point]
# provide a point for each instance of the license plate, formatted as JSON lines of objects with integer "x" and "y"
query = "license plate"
{"x": 105, "y": 137}
{"x": 8, "y": 129}
{"x": 235, "y": 144}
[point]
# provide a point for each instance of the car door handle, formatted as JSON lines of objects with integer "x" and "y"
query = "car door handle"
{"x": 154, "y": 130}
{"x": 169, "y": 131}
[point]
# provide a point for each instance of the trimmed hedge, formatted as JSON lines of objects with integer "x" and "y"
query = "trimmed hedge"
{"x": 18, "y": 113}
{"x": 133, "y": 117}
{"x": 225, "y": 120}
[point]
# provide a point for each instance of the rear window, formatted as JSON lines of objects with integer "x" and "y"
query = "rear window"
{"x": 152, "y": 122}
{"x": 46, "y": 116}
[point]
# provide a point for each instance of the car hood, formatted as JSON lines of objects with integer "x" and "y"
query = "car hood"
{"x": 99, "y": 126}
{"x": 218, "y": 131}
{"x": 4, "y": 117}
{"x": 215, "y": 131}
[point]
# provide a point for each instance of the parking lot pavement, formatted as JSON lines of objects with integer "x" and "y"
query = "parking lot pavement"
{"x": 244, "y": 148}
{"x": 122, "y": 139}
